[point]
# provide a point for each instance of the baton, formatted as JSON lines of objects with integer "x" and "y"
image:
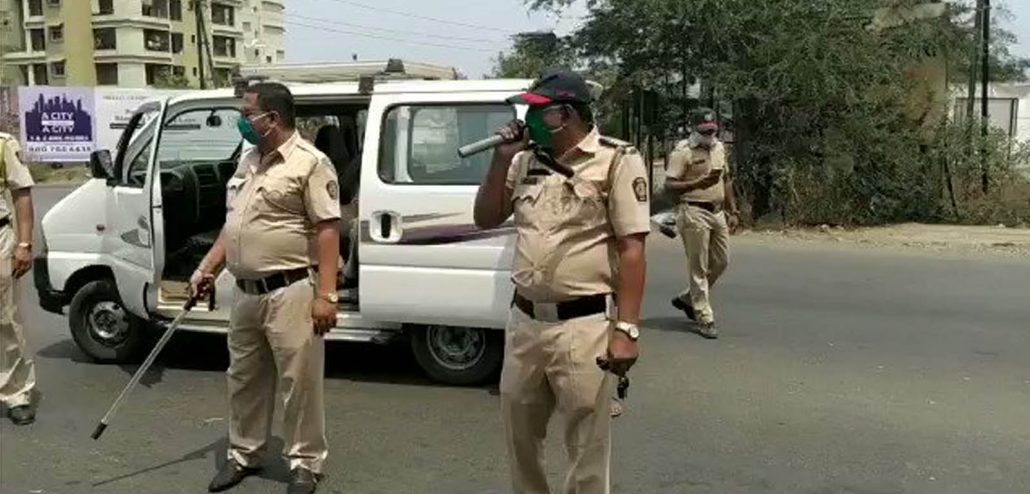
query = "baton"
{"x": 102, "y": 425}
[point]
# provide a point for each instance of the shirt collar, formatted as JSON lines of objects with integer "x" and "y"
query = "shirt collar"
{"x": 588, "y": 146}
{"x": 281, "y": 153}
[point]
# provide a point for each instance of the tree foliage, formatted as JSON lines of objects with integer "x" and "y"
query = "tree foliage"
{"x": 533, "y": 53}
{"x": 836, "y": 110}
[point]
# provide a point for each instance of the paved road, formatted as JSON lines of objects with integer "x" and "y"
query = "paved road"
{"x": 840, "y": 371}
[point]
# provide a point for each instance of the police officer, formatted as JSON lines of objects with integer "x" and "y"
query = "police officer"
{"x": 281, "y": 243}
{"x": 17, "y": 371}
{"x": 699, "y": 174}
{"x": 579, "y": 274}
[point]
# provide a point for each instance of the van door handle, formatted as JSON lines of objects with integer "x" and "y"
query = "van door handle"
{"x": 385, "y": 227}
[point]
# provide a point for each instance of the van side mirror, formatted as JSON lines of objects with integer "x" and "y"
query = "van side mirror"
{"x": 100, "y": 164}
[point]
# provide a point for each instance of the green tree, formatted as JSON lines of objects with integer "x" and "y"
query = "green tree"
{"x": 531, "y": 54}
{"x": 834, "y": 104}
{"x": 169, "y": 80}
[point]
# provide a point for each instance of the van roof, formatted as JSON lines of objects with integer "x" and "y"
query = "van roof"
{"x": 302, "y": 90}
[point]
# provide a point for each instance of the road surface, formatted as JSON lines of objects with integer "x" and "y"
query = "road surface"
{"x": 840, "y": 370}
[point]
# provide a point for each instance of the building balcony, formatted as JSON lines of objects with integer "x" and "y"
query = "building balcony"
{"x": 222, "y": 30}
{"x": 112, "y": 56}
{"x": 102, "y": 21}
{"x": 25, "y": 56}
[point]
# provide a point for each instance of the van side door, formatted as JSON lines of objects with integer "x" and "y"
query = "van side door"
{"x": 128, "y": 232}
{"x": 422, "y": 259}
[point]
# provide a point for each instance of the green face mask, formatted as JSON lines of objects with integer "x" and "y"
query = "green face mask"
{"x": 246, "y": 128}
{"x": 539, "y": 131}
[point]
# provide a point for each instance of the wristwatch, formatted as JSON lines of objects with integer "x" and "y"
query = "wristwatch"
{"x": 332, "y": 297}
{"x": 25, "y": 245}
{"x": 630, "y": 329}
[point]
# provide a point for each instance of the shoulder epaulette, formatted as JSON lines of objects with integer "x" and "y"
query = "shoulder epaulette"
{"x": 612, "y": 142}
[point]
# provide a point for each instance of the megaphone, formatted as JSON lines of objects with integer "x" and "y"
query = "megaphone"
{"x": 488, "y": 143}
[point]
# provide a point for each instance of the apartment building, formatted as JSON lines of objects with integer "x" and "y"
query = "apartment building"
{"x": 137, "y": 43}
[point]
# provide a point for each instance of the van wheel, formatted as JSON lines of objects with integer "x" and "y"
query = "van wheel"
{"x": 102, "y": 327}
{"x": 458, "y": 356}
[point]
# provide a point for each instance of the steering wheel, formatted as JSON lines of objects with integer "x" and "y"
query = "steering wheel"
{"x": 180, "y": 186}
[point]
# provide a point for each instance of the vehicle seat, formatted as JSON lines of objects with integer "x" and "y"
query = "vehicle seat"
{"x": 331, "y": 141}
{"x": 203, "y": 242}
{"x": 340, "y": 145}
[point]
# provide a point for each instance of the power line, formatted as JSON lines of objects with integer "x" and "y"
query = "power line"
{"x": 399, "y": 31}
{"x": 416, "y": 16}
{"x": 375, "y": 36}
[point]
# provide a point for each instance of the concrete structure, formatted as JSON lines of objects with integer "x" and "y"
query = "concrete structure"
{"x": 135, "y": 43}
{"x": 1008, "y": 107}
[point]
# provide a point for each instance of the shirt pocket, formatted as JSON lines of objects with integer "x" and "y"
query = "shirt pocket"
{"x": 586, "y": 202}
{"x": 282, "y": 195}
{"x": 233, "y": 191}
{"x": 524, "y": 200}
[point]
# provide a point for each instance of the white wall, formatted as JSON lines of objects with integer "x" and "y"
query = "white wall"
{"x": 132, "y": 75}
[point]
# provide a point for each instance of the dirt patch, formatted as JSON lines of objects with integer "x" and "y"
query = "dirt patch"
{"x": 997, "y": 240}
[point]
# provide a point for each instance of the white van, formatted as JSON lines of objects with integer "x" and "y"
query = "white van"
{"x": 118, "y": 251}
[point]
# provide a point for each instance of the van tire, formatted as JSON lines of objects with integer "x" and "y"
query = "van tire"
{"x": 101, "y": 326}
{"x": 458, "y": 356}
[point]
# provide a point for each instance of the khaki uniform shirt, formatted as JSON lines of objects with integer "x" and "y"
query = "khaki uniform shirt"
{"x": 567, "y": 228}
{"x": 16, "y": 175}
{"x": 273, "y": 205}
{"x": 691, "y": 162}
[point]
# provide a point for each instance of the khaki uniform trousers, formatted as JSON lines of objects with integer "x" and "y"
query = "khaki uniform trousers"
{"x": 17, "y": 371}
{"x": 272, "y": 341}
{"x": 706, "y": 239}
{"x": 549, "y": 365}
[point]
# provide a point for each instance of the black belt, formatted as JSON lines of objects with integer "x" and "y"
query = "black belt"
{"x": 562, "y": 311}
{"x": 711, "y": 207}
{"x": 5, "y": 221}
{"x": 273, "y": 281}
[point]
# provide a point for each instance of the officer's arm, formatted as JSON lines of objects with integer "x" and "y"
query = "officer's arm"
{"x": 23, "y": 214}
{"x": 702, "y": 183}
{"x": 493, "y": 200}
{"x": 630, "y": 209}
{"x": 215, "y": 258}
{"x": 20, "y": 182}
{"x": 322, "y": 201}
{"x": 731, "y": 199}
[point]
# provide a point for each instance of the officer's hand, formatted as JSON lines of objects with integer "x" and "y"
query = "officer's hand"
{"x": 201, "y": 284}
{"x": 733, "y": 222}
{"x": 622, "y": 354}
{"x": 22, "y": 262}
{"x": 517, "y": 139}
{"x": 323, "y": 313}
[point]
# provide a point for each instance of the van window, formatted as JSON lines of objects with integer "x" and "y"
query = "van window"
{"x": 136, "y": 155}
{"x": 199, "y": 136}
{"x": 419, "y": 143}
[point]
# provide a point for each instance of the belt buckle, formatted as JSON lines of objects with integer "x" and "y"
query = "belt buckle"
{"x": 547, "y": 312}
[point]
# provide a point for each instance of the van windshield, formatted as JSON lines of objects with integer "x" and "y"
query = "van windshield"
{"x": 199, "y": 136}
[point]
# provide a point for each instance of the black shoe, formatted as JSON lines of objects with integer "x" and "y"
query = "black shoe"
{"x": 231, "y": 474}
{"x": 303, "y": 481}
{"x": 708, "y": 330}
{"x": 22, "y": 415}
{"x": 685, "y": 307}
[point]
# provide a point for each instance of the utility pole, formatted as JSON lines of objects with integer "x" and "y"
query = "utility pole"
{"x": 974, "y": 60}
{"x": 199, "y": 17}
{"x": 985, "y": 67}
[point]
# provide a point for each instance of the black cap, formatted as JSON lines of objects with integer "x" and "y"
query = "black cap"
{"x": 703, "y": 119}
{"x": 556, "y": 86}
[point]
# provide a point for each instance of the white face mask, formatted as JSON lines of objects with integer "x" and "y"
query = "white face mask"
{"x": 702, "y": 140}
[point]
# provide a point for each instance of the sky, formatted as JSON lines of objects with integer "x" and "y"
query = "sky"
{"x": 465, "y": 34}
